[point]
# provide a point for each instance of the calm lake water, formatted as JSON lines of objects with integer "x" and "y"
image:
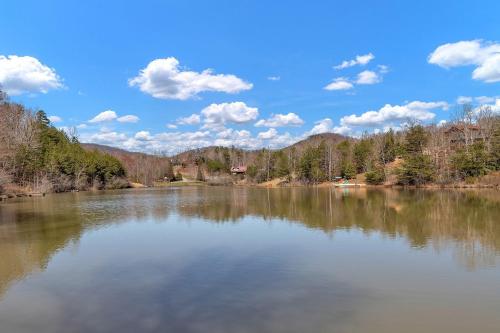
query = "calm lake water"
{"x": 251, "y": 260}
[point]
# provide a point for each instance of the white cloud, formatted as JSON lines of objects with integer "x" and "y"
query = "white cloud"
{"x": 322, "y": 126}
{"x": 109, "y": 115}
{"x": 81, "y": 126}
{"x": 175, "y": 142}
{"x": 383, "y": 69}
{"x": 269, "y": 134}
{"x": 171, "y": 126}
{"x": 484, "y": 55}
{"x": 342, "y": 130}
{"x": 442, "y": 122}
{"x": 112, "y": 138}
{"x": 280, "y": 120}
{"x": 55, "y": 119}
{"x": 365, "y": 77}
{"x": 485, "y": 99}
{"x": 479, "y": 99}
{"x": 326, "y": 126}
{"x": 143, "y": 136}
{"x": 240, "y": 139}
{"x": 128, "y": 119}
{"x": 489, "y": 71}
{"x": 191, "y": 120}
{"x": 104, "y": 116}
{"x": 163, "y": 78}
{"x": 495, "y": 108}
{"x": 216, "y": 115}
{"x": 464, "y": 99}
{"x": 368, "y": 77}
{"x": 390, "y": 113}
{"x": 19, "y": 75}
{"x": 359, "y": 60}
{"x": 340, "y": 83}
{"x": 274, "y": 78}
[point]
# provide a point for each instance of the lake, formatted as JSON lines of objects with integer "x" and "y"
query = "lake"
{"x": 235, "y": 259}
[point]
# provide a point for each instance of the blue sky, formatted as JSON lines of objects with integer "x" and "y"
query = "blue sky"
{"x": 126, "y": 73}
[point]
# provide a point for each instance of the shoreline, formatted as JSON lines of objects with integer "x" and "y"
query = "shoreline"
{"x": 7, "y": 196}
{"x": 274, "y": 183}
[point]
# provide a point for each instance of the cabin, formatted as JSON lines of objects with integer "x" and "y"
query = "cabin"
{"x": 239, "y": 170}
{"x": 460, "y": 134}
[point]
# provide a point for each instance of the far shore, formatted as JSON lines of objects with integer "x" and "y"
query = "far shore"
{"x": 279, "y": 183}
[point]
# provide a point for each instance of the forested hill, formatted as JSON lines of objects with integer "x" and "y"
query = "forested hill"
{"x": 140, "y": 167}
{"x": 37, "y": 157}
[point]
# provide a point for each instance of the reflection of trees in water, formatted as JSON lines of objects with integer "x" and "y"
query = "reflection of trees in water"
{"x": 40, "y": 230}
{"x": 424, "y": 218}
{"x": 33, "y": 230}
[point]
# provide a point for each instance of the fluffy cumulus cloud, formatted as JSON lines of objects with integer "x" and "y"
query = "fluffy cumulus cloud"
{"x": 340, "y": 83}
{"x": 104, "y": 116}
{"x": 421, "y": 111}
{"x": 359, "y": 60}
{"x": 322, "y": 126}
{"x": 24, "y": 74}
{"x": 177, "y": 141}
{"x": 165, "y": 79}
{"x": 217, "y": 115}
{"x": 191, "y": 120}
{"x": 143, "y": 136}
{"x": 485, "y": 56}
{"x": 128, "y": 119}
{"x": 326, "y": 126}
{"x": 368, "y": 77}
{"x": 365, "y": 77}
{"x": 105, "y": 137}
{"x": 269, "y": 134}
{"x": 110, "y": 115}
{"x": 281, "y": 120}
{"x": 55, "y": 119}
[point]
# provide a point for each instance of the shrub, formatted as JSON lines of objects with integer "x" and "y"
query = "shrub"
{"x": 417, "y": 169}
{"x": 375, "y": 176}
{"x": 471, "y": 162}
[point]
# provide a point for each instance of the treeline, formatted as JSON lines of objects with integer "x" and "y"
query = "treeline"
{"x": 461, "y": 150}
{"x": 36, "y": 156}
{"x": 464, "y": 149}
{"x": 141, "y": 168}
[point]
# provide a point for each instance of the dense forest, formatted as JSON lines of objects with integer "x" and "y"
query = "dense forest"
{"x": 141, "y": 168}
{"x": 459, "y": 151}
{"x": 35, "y": 156}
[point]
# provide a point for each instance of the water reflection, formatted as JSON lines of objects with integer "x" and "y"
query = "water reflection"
{"x": 32, "y": 230}
{"x": 133, "y": 261}
{"x": 425, "y": 218}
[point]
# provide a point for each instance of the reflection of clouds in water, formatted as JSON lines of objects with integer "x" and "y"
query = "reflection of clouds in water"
{"x": 143, "y": 284}
{"x": 215, "y": 291}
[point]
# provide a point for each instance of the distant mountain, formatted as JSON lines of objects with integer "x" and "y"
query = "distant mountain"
{"x": 134, "y": 161}
{"x": 213, "y": 152}
{"x": 315, "y": 140}
{"x": 108, "y": 149}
